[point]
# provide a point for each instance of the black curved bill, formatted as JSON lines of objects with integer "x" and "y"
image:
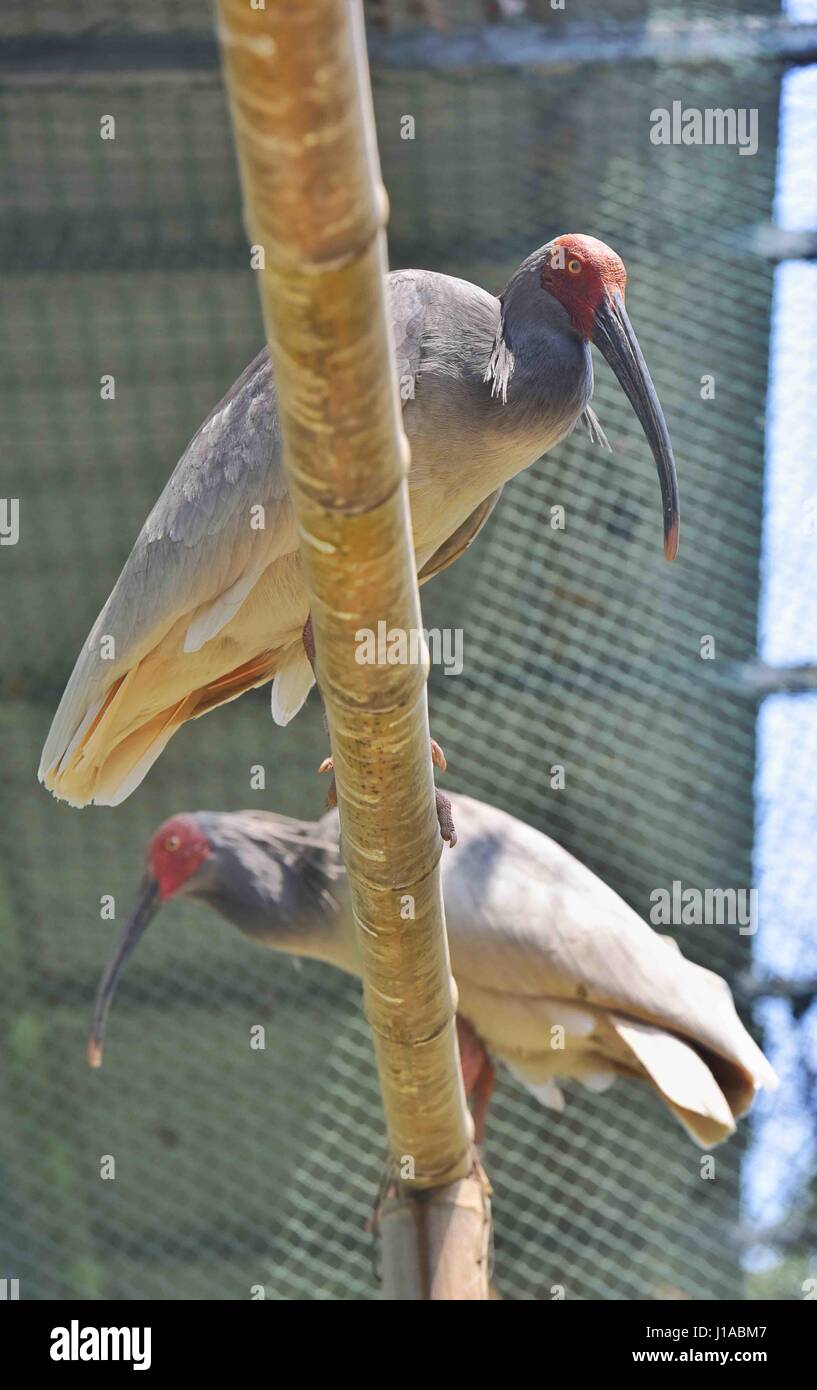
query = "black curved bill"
{"x": 615, "y": 338}
{"x": 143, "y": 913}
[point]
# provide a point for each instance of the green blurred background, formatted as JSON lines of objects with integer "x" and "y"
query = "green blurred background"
{"x": 234, "y": 1167}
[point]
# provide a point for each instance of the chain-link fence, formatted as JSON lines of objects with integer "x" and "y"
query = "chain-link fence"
{"x": 582, "y": 648}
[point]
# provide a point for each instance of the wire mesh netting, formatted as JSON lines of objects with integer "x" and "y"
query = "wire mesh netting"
{"x": 583, "y": 650}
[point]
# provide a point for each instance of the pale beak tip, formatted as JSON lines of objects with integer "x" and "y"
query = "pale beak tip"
{"x": 671, "y": 541}
{"x": 94, "y": 1053}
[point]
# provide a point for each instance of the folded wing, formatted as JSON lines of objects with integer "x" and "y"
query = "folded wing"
{"x": 563, "y": 980}
{"x": 177, "y": 635}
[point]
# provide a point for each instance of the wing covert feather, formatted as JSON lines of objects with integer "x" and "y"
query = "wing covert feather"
{"x": 565, "y": 935}
{"x": 197, "y": 543}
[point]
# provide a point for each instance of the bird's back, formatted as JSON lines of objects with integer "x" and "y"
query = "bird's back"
{"x": 534, "y": 932}
{"x": 211, "y": 601}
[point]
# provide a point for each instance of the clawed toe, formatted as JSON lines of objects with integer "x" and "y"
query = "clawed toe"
{"x": 445, "y": 814}
{"x": 445, "y": 817}
{"x": 328, "y": 765}
{"x": 438, "y": 756}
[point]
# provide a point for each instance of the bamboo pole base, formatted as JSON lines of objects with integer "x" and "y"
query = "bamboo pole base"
{"x": 436, "y": 1245}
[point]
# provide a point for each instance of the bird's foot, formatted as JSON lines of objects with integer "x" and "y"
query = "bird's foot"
{"x": 445, "y": 814}
{"x": 438, "y": 756}
{"x": 445, "y": 818}
{"x": 328, "y": 765}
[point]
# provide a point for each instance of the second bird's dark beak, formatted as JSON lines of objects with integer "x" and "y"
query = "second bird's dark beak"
{"x": 147, "y": 905}
{"x": 615, "y": 338}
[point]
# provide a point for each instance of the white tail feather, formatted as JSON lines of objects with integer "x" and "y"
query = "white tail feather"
{"x": 547, "y": 1093}
{"x": 137, "y": 773}
{"x": 598, "y": 1080}
{"x": 683, "y": 1078}
{"x": 293, "y": 681}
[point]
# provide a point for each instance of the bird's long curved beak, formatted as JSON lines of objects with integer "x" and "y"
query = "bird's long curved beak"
{"x": 145, "y": 909}
{"x": 615, "y": 338}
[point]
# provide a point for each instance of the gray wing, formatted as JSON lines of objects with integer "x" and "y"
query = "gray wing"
{"x": 529, "y": 921}
{"x": 408, "y": 294}
{"x": 201, "y": 551}
{"x": 199, "y": 539}
{"x": 198, "y": 549}
{"x": 422, "y": 304}
{"x": 199, "y": 546}
{"x": 442, "y": 324}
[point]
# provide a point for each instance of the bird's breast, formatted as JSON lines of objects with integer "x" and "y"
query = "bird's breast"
{"x": 465, "y": 442}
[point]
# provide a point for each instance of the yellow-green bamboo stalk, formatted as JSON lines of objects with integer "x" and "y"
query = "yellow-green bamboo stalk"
{"x": 315, "y": 210}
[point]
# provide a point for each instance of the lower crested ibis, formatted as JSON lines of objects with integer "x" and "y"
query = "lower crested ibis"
{"x": 557, "y": 977}
{"x": 210, "y": 603}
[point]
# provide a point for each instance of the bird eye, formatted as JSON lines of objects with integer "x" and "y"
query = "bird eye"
{"x": 574, "y": 267}
{"x": 172, "y": 842}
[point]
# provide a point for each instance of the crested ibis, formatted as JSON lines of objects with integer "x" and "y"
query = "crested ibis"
{"x": 556, "y": 976}
{"x": 210, "y": 604}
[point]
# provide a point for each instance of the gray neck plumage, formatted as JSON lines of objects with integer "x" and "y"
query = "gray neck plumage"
{"x": 537, "y": 355}
{"x": 293, "y": 900}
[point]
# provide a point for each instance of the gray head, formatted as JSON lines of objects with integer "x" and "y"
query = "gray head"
{"x": 266, "y": 874}
{"x": 587, "y": 279}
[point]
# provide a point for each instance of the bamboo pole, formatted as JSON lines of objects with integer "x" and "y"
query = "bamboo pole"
{"x": 315, "y": 210}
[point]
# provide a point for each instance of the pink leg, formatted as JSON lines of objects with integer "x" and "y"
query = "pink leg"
{"x": 478, "y": 1074}
{"x": 483, "y": 1091}
{"x": 308, "y": 639}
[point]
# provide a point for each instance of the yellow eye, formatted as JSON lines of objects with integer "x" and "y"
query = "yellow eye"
{"x": 172, "y": 842}
{"x": 574, "y": 267}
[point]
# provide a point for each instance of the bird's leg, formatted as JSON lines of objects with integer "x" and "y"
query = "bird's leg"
{"x": 482, "y": 1093}
{"x": 308, "y": 639}
{"x": 478, "y": 1074}
{"x": 445, "y": 814}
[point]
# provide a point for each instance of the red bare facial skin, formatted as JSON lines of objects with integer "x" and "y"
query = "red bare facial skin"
{"x": 175, "y": 852}
{"x": 580, "y": 273}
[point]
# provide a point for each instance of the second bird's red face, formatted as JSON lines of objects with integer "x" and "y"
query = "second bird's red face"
{"x": 175, "y": 852}
{"x": 580, "y": 272}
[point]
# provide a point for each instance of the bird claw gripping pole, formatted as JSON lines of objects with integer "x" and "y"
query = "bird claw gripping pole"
{"x": 301, "y": 106}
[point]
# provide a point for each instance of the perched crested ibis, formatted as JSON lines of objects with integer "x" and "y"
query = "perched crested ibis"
{"x": 209, "y": 604}
{"x": 556, "y": 975}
